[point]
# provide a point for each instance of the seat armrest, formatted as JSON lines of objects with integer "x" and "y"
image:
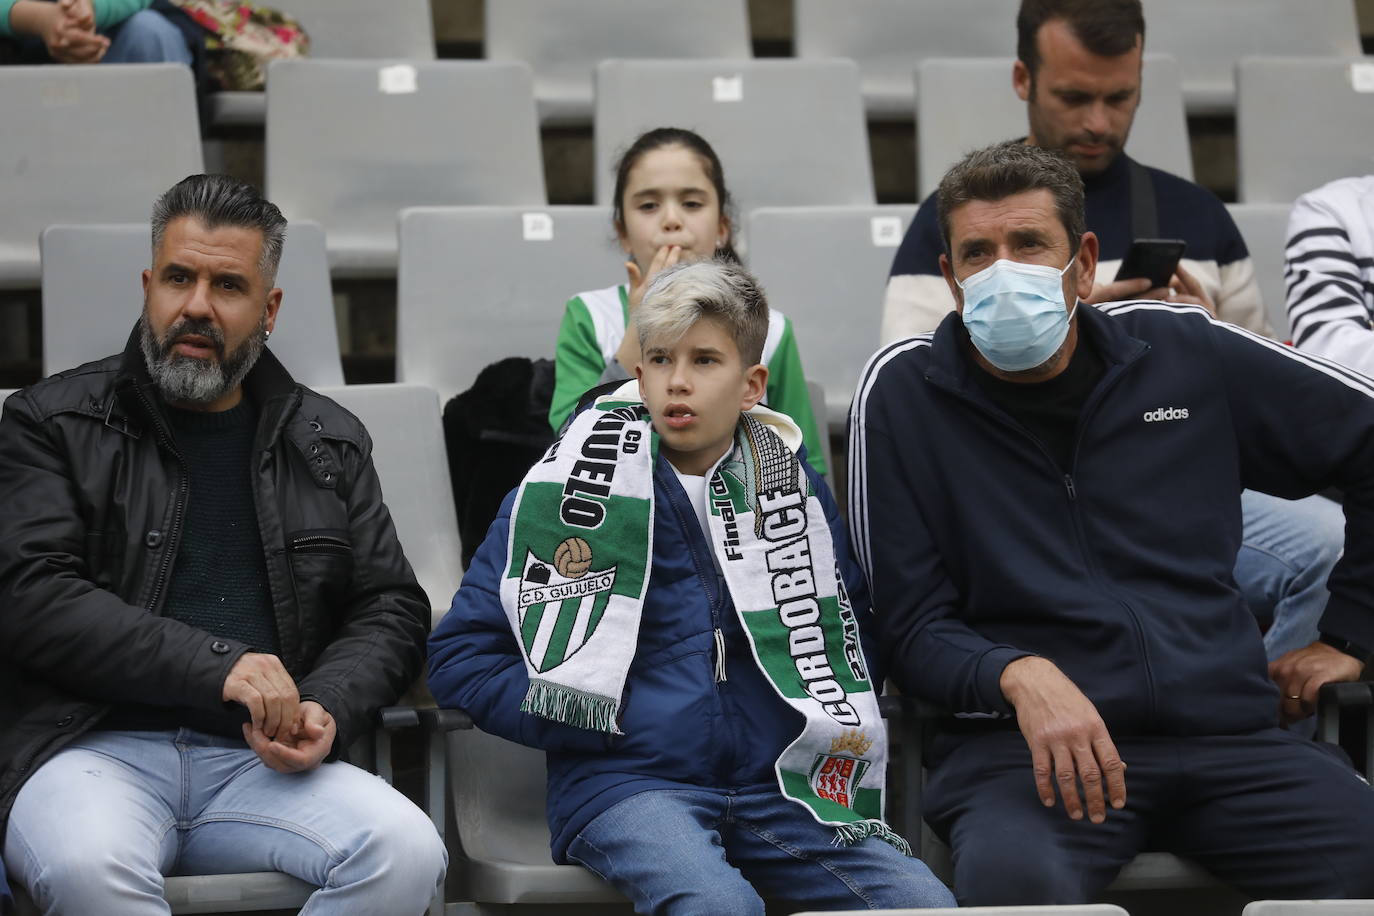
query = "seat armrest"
{"x": 1350, "y": 695}
{"x": 1347, "y": 695}
{"x": 439, "y": 719}
{"x": 392, "y": 718}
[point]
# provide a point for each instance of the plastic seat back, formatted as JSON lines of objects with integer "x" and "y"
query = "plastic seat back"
{"x": 760, "y": 116}
{"x": 478, "y": 284}
{"x": 88, "y": 145}
{"x": 1094, "y": 909}
{"x": 1301, "y": 122}
{"x": 1308, "y": 908}
{"x": 365, "y": 28}
{"x": 1265, "y": 230}
{"x": 563, "y": 42}
{"x": 888, "y": 38}
{"x": 968, "y": 104}
{"x": 826, "y": 269}
{"x": 1208, "y": 39}
{"x": 92, "y": 297}
{"x": 408, "y": 452}
{"x": 352, "y": 143}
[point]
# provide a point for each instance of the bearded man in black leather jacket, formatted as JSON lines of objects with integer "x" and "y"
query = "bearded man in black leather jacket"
{"x": 202, "y": 602}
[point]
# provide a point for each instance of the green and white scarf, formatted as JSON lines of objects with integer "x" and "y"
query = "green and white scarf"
{"x": 581, "y": 544}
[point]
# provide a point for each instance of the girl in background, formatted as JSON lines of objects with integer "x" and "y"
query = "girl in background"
{"x": 670, "y": 205}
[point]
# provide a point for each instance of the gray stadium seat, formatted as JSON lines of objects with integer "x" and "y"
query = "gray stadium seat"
{"x": 1265, "y": 230}
{"x": 1309, "y": 908}
{"x": 501, "y": 853}
{"x": 826, "y": 269}
{"x": 92, "y": 297}
{"x": 408, "y": 452}
{"x": 351, "y": 143}
{"x": 816, "y": 393}
{"x": 234, "y": 893}
{"x": 1301, "y": 122}
{"x": 478, "y": 284}
{"x": 365, "y": 29}
{"x": 88, "y": 145}
{"x": 563, "y": 42}
{"x": 1209, "y": 38}
{"x": 1095, "y": 909}
{"x": 789, "y": 132}
{"x": 967, "y": 104}
{"x": 347, "y": 29}
{"x": 888, "y": 38}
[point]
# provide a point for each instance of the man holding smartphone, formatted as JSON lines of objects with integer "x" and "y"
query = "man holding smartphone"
{"x": 1078, "y": 70}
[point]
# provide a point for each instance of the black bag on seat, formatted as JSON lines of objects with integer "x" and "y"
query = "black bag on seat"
{"x": 494, "y": 432}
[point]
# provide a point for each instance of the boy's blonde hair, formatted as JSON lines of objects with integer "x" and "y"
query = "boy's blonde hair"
{"x": 684, "y": 294}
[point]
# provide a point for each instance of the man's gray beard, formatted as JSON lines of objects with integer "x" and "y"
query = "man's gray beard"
{"x": 198, "y": 382}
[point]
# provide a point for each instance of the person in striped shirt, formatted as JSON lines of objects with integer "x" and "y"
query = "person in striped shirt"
{"x": 1329, "y": 268}
{"x": 671, "y": 205}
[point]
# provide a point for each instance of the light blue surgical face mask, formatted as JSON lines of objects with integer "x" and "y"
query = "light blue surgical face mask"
{"x": 1015, "y": 313}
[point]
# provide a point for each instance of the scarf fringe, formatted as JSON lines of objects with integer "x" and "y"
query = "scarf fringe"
{"x": 569, "y": 706}
{"x": 849, "y": 834}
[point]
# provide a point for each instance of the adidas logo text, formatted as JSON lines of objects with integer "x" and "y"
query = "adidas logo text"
{"x": 1160, "y": 414}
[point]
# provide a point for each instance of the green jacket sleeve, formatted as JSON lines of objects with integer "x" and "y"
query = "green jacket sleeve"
{"x": 787, "y": 394}
{"x": 110, "y": 13}
{"x": 578, "y": 364}
{"x": 5, "y": 7}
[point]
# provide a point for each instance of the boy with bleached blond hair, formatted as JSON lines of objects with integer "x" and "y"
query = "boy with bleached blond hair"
{"x": 667, "y": 606}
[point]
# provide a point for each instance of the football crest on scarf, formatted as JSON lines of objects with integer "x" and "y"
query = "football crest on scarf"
{"x": 561, "y": 601}
{"x": 835, "y": 775}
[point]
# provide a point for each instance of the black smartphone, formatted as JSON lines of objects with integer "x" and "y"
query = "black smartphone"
{"x": 1153, "y": 258}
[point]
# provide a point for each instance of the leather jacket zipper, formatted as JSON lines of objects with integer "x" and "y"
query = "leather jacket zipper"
{"x": 320, "y": 543}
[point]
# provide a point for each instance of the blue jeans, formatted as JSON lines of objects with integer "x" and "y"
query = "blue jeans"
{"x": 97, "y": 826}
{"x": 1288, "y": 549}
{"x": 147, "y": 37}
{"x": 718, "y": 853}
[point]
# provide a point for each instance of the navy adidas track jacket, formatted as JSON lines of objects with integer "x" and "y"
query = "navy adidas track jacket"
{"x": 979, "y": 549}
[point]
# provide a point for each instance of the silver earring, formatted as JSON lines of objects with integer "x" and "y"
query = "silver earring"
{"x": 267, "y": 335}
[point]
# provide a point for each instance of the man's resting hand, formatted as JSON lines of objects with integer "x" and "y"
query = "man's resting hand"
{"x": 260, "y": 683}
{"x": 301, "y": 747}
{"x": 1301, "y": 674}
{"x": 1068, "y": 740}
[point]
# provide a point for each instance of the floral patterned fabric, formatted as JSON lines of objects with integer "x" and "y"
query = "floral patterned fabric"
{"x": 242, "y": 38}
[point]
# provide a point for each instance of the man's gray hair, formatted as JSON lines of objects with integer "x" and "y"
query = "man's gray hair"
{"x": 684, "y": 294}
{"x": 218, "y": 200}
{"x": 997, "y": 172}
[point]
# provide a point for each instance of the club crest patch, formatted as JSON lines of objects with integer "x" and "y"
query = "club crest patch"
{"x": 834, "y": 776}
{"x": 561, "y": 602}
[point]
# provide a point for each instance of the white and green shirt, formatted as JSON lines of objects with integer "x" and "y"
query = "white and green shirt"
{"x": 594, "y": 327}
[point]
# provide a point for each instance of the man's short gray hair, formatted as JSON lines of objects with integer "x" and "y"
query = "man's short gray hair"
{"x": 684, "y": 294}
{"x": 997, "y": 172}
{"x": 218, "y": 200}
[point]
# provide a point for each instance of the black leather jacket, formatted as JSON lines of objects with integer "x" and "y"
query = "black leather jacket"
{"x": 92, "y": 495}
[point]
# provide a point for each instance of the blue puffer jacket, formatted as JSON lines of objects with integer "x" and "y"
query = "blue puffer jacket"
{"x": 681, "y": 726}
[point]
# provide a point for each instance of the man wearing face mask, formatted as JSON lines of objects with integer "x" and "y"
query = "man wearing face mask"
{"x": 1079, "y": 72}
{"x": 1046, "y": 500}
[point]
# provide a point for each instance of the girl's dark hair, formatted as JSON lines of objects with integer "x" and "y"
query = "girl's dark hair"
{"x": 658, "y": 138}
